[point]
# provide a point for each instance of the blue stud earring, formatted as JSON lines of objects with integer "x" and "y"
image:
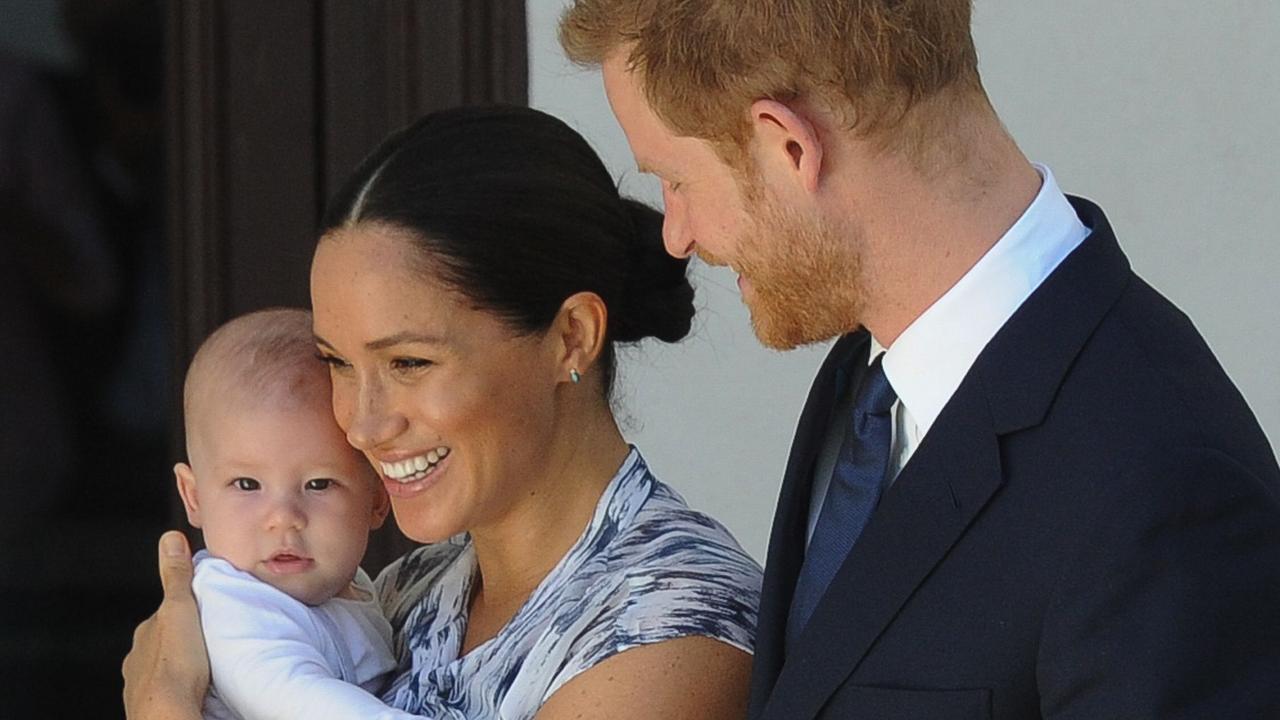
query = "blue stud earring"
{"x": 575, "y": 376}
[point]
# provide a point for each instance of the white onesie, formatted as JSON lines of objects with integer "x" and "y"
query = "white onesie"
{"x": 272, "y": 656}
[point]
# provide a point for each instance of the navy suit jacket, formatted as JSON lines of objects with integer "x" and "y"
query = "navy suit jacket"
{"x": 1090, "y": 529}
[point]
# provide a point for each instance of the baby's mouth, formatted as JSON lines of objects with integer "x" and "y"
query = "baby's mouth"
{"x": 288, "y": 563}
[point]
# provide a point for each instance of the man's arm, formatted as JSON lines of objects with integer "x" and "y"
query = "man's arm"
{"x": 1173, "y": 607}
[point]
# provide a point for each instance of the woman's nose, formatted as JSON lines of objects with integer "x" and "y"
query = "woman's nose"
{"x": 369, "y": 420}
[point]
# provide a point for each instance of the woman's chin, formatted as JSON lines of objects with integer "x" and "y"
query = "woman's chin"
{"x": 422, "y": 523}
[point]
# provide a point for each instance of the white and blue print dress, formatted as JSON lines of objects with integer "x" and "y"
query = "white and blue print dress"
{"x": 646, "y": 569}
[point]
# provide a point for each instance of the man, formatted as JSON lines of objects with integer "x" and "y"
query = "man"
{"x": 1021, "y": 486}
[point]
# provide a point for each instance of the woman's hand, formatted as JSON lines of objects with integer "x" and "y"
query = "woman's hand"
{"x": 166, "y": 673}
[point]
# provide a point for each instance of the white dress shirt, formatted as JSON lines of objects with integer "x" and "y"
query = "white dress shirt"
{"x": 928, "y": 361}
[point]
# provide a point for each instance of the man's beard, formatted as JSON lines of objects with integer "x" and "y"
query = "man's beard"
{"x": 806, "y": 277}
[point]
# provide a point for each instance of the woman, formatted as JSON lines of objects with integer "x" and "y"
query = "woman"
{"x": 472, "y": 280}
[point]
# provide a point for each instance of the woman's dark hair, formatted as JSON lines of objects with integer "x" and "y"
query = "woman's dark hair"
{"x": 517, "y": 212}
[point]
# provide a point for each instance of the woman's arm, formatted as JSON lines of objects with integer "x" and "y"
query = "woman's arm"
{"x": 166, "y": 673}
{"x": 689, "y": 678}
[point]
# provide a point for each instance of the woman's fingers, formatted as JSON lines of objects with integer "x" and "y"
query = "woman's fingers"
{"x": 175, "y": 566}
{"x": 167, "y": 671}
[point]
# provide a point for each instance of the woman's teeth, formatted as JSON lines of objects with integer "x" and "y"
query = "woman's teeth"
{"x": 414, "y": 468}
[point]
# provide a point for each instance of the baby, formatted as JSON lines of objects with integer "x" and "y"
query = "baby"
{"x": 286, "y": 505}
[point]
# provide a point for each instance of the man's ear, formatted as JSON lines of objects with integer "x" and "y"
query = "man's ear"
{"x": 577, "y": 334}
{"x": 787, "y": 142}
{"x": 187, "y": 490}
{"x": 381, "y": 506}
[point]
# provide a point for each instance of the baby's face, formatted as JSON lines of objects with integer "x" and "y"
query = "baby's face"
{"x": 281, "y": 495}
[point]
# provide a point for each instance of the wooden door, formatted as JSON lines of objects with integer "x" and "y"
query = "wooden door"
{"x": 271, "y": 105}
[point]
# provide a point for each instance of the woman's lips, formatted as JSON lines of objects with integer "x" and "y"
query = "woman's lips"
{"x": 403, "y": 490}
{"x": 289, "y": 564}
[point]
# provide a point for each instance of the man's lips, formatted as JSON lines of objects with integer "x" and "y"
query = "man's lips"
{"x": 287, "y": 563}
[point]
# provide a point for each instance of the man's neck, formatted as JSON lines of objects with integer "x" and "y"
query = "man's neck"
{"x": 924, "y": 233}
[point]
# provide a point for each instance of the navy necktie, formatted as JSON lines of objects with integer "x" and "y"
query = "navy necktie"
{"x": 856, "y": 484}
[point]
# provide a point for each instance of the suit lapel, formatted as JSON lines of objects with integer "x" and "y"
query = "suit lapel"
{"x": 952, "y": 475}
{"x": 787, "y": 538}
{"x": 949, "y": 479}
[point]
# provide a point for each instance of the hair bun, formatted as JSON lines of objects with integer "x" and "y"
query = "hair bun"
{"x": 657, "y": 298}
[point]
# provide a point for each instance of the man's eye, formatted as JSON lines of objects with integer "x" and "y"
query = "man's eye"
{"x": 244, "y": 483}
{"x": 319, "y": 484}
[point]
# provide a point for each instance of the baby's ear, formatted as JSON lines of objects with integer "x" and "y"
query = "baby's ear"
{"x": 381, "y": 506}
{"x": 187, "y": 489}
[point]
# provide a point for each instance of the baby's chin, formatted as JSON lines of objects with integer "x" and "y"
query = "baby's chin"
{"x": 309, "y": 590}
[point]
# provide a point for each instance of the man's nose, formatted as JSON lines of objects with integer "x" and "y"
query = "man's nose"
{"x": 675, "y": 236}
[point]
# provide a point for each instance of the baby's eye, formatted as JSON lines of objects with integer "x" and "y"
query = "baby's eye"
{"x": 246, "y": 483}
{"x": 319, "y": 484}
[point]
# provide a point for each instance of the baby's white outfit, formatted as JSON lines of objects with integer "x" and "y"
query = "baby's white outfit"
{"x": 272, "y": 656}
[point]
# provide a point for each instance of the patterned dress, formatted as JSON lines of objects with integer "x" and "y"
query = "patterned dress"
{"x": 646, "y": 569}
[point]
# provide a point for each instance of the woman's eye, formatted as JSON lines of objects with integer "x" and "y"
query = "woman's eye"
{"x": 319, "y": 484}
{"x": 408, "y": 363}
{"x": 334, "y": 362}
{"x": 246, "y": 484}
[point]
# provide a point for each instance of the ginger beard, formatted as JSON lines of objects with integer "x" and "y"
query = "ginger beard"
{"x": 806, "y": 276}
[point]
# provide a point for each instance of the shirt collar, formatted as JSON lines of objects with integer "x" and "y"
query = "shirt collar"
{"x": 928, "y": 361}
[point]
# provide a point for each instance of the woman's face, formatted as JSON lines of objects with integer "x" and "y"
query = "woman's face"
{"x": 452, "y": 407}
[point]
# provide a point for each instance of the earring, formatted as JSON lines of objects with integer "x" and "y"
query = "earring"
{"x": 574, "y": 376}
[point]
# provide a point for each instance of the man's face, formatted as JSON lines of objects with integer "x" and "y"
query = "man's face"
{"x": 799, "y": 276}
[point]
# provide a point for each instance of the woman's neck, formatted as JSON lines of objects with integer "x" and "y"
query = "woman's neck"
{"x": 517, "y": 552}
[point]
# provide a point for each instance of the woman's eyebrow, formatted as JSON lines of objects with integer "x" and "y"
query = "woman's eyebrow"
{"x": 403, "y": 338}
{"x": 400, "y": 338}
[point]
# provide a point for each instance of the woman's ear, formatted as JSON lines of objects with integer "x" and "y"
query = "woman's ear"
{"x": 578, "y": 334}
{"x": 187, "y": 490}
{"x": 787, "y": 144}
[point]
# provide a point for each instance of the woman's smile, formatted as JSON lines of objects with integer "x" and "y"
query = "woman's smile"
{"x": 416, "y": 481}
{"x": 414, "y": 468}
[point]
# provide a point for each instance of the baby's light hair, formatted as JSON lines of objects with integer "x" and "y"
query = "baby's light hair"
{"x": 267, "y": 356}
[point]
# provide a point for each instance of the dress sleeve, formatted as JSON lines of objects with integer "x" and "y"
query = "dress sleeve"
{"x": 265, "y": 659}
{"x": 687, "y": 578}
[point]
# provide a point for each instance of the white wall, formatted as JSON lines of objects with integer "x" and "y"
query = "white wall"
{"x": 1163, "y": 111}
